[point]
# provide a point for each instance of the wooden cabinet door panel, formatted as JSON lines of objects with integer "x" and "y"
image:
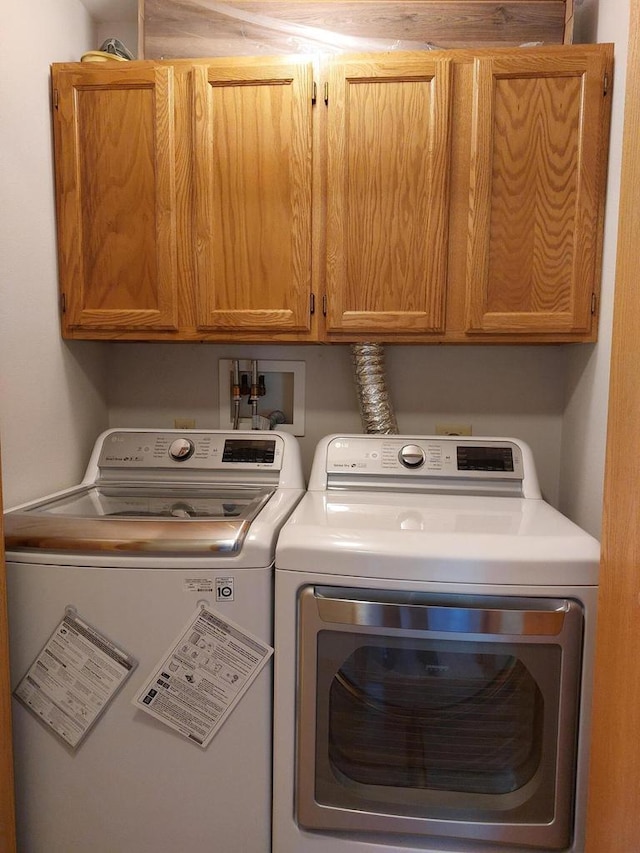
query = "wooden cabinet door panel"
{"x": 115, "y": 183}
{"x": 253, "y": 173}
{"x": 538, "y": 160}
{"x": 387, "y": 186}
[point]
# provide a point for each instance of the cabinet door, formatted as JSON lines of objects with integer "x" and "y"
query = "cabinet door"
{"x": 538, "y": 162}
{"x": 387, "y": 193}
{"x": 115, "y": 187}
{"x": 252, "y": 195}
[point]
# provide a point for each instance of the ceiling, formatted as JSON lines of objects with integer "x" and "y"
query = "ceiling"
{"x": 105, "y": 11}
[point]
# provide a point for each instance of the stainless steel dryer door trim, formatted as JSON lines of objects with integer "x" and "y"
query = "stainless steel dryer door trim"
{"x": 544, "y": 634}
{"x": 491, "y": 616}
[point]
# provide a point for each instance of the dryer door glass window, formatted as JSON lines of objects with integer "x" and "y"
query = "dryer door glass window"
{"x": 430, "y": 716}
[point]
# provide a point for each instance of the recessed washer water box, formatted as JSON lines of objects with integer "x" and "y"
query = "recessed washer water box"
{"x": 284, "y": 382}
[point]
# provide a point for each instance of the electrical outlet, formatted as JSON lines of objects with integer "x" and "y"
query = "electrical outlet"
{"x": 184, "y": 423}
{"x": 453, "y": 429}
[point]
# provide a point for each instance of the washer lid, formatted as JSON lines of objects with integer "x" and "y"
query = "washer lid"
{"x": 130, "y": 518}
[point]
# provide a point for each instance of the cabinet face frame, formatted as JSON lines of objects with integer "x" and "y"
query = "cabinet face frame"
{"x": 377, "y": 201}
{"x": 252, "y": 157}
{"x": 117, "y": 238}
{"x": 564, "y": 217}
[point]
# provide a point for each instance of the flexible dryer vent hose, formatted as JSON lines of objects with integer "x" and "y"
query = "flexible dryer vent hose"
{"x": 376, "y": 410}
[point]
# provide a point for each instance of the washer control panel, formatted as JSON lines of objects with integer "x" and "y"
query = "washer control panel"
{"x": 427, "y": 456}
{"x": 204, "y": 450}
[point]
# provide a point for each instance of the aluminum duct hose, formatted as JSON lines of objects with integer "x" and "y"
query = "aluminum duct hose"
{"x": 373, "y": 398}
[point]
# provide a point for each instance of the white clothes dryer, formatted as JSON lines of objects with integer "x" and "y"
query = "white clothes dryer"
{"x": 434, "y": 635}
{"x": 163, "y": 524}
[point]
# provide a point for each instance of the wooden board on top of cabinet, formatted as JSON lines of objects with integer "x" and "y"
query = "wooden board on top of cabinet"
{"x": 185, "y": 28}
{"x": 433, "y": 196}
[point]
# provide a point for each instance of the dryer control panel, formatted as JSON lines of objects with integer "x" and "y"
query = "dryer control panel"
{"x": 430, "y": 463}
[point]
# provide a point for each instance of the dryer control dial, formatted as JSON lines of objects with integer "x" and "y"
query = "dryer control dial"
{"x": 181, "y": 449}
{"x": 411, "y": 456}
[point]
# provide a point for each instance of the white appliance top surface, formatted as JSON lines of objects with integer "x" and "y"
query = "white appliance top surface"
{"x": 156, "y": 492}
{"x": 377, "y": 528}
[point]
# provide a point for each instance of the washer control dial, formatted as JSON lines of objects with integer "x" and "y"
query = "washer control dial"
{"x": 411, "y": 456}
{"x": 181, "y": 449}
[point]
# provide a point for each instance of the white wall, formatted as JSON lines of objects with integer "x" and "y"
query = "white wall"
{"x": 587, "y": 388}
{"x": 52, "y": 394}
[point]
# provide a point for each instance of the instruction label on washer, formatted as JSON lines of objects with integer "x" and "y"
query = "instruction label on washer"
{"x": 203, "y": 676}
{"x": 73, "y": 679}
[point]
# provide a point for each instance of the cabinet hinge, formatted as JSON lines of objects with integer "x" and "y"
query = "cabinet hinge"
{"x": 326, "y": 92}
{"x": 594, "y": 303}
{"x": 605, "y": 84}
{"x": 314, "y": 92}
{"x": 312, "y": 303}
{"x": 56, "y": 97}
{"x": 324, "y": 306}
{"x": 63, "y": 303}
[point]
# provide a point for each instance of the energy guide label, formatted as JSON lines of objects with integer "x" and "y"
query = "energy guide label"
{"x": 224, "y": 589}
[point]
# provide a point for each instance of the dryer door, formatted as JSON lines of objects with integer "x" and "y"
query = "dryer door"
{"x": 438, "y": 716}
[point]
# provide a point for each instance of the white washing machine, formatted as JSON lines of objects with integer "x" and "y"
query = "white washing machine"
{"x": 434, "y": 635}
{"x": 151, "y": 582}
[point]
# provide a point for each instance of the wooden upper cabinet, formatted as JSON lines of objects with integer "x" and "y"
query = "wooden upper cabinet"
{"x": 252, "y": 195}
{"x": 115, "y": 186}
{"x": 538, "y": 162}
{"x": 438, "y": 196}
{"x": 387, "y": 193}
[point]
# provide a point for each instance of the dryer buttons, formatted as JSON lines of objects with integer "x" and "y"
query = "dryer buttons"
{"x": 411, "y": 456}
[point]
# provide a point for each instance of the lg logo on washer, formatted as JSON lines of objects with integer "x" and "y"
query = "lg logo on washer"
{"x": 224, "y": 589}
